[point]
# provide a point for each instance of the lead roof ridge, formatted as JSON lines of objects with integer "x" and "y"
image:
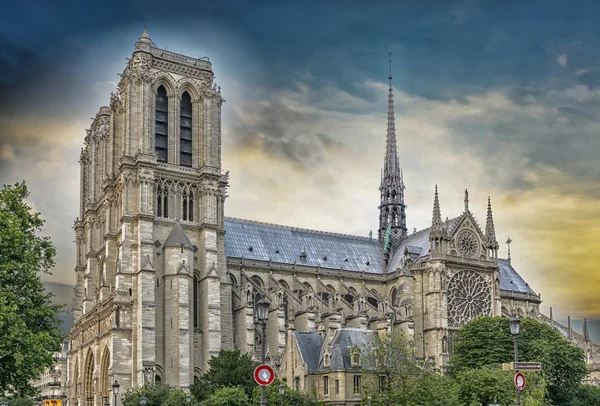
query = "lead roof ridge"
{"x": 292, "y": 228}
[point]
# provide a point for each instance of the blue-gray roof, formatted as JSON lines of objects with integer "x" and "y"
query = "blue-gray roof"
{"x": 309, "y": 345}
{"x": 344, "y": 340}
{"x": 511, "y": 280}
{"x": 270, "y": 242}
{"x": 283, "y": 244}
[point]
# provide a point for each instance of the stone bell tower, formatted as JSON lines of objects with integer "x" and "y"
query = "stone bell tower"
{"x": 151, "y": 258}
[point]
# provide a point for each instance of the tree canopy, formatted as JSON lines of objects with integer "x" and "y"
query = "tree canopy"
{"x": 227, "y": 369}
{"x": 486, "y": 341}
{"x": 29, "y": 322}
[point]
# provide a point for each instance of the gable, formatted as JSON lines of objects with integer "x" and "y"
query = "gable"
{"x": 466, "y": 238}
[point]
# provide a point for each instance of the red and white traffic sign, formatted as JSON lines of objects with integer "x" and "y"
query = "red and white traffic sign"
{"x": 264, "y": 375}
{"x": 520, "y": 381}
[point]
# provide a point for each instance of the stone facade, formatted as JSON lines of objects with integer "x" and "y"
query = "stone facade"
{"x": 165, "y": 281}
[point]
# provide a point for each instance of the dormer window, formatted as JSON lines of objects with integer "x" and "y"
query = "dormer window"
{"x": 327, "y": 359}
{"x": 355, "y": 357}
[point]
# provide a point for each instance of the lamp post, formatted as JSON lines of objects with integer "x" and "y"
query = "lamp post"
{"x": 369, "y": 398}
{"x": 115, "y": 388}
{"x": 63, "y": 399}
{"x": 143, "y": 400}
{"x": 188, "y": 399}
{"x": 515, "y": 327}
{"x": 262, "y": 308}
{"x": 281, "y": 392}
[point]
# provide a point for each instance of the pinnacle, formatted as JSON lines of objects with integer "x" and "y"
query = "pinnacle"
{"x": 490, "y": 231}
{"x": 145, "y": 37}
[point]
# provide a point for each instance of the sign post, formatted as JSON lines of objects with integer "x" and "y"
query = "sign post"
{"x": 264, "y": 375}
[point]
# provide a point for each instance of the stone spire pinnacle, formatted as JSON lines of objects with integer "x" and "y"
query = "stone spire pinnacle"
{"x": 508, "y": 243}
{"x": 392, "y": 210}
{"x": 586, "y": 333}
{"x": 391, "y": 163}
{"x": 145, "y": 37}
{"x": 436, "y": 231}
{"x": 466, "y": 200}
{"x": 490, "y": 231}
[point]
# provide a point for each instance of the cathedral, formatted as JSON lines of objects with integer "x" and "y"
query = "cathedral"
{"x": 165, "y": 280}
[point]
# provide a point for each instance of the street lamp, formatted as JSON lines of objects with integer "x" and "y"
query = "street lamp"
{"x": 143, "y": 400}
{"x": 188, "y": 399}
{"x": 63, "y": 398}
{"x": 515, "y": 327}
{"x": 262, "y": 308}
{"x": 281, "y": 392}
{"x": 115, "y": 388}
{"x": 369, "y": 398}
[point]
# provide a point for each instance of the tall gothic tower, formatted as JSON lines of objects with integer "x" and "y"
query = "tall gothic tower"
{"x": 150, "y": 249}
{"x": 392, "y": 210}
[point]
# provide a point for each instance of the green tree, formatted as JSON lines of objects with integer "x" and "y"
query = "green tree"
{"x": 29, "y": 322}
{"x": 227, "y": 369}
{"x": 586, "y": 396}
{"x": 232, "y": 396}
{"x": 488, "y": 385}
{"x": 290, "y": 396}
{"x": 157, "y": 395}
{"x": 396, "y": 378}
{"x": 487, "y": 341}
{"x": 17, "y": 401}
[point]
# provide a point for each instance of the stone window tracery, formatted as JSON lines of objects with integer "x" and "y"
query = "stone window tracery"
{"x": 468, "y": 244}
{"x": 469, "y": 296}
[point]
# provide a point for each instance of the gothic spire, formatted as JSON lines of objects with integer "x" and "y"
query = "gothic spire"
{"x": 391, "y": 164}
{"x": 586, "y": 333}
{"x": 490, "y": 231}
{"x": 508, "y": 243}
{"x": 392, "y": 208}
{"x": 436, "y": 221}
{"x": 466, "y": 200}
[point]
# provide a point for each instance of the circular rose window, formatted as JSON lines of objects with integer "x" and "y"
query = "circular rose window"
{"x": 469, "y": 296}
{"x": 468, "y": 244}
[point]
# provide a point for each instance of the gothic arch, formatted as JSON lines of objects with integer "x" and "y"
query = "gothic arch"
{"x": 88, "y": 378}
{"x": 185, "y": 85}
{"x": 394, "y": 296}
{"x": 105, "y": 387}
{"x": 166, "y": 80}
{"x": 257, "y": 280}
{"x": 284, "y": 284}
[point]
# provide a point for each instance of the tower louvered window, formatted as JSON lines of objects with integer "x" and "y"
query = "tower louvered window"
{"x": 159, "y": 201}
{"x": 188, "y": 206}
{"x": 185, "y": 130}
{"x": 161, "y": 137}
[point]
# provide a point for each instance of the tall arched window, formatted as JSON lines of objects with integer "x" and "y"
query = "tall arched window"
{"x": 159, "y": 201}
{"x": 188, "y": 206}
{"x": 185, "y": 130}
{"x": 161, "y": 134}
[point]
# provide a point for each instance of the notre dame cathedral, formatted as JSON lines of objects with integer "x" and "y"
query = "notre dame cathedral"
{"x": 165, "y": 280}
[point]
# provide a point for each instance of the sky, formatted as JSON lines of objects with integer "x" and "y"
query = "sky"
{"x": 500, "y": 97}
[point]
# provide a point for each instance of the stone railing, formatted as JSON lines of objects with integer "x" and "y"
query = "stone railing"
{"x": 199, "y": 63}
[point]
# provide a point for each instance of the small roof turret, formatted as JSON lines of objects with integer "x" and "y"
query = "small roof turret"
{"x": 145, "y": 37}
{"x": 177, "y": 238}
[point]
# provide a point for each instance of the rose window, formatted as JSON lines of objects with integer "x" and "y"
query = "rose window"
{"x": 469, "y": 296}
{"x": 467, "y": 243}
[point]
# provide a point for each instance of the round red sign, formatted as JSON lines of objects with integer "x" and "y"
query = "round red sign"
{"x": 520, "y": 381}
{"x": 264, "y": 375}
